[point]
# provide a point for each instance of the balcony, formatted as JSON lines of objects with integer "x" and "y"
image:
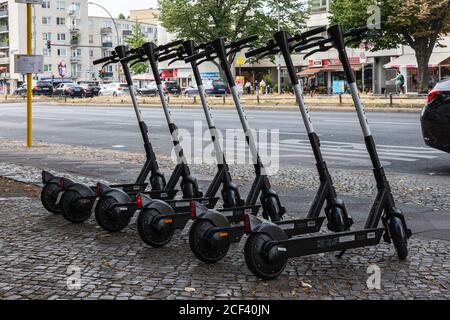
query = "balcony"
{"x": 75, "y": 29}
{"x": 126, "y": 33}
{"x": 4, "y": 44}
{"x": 75, "y": 59}
{"x": 107, "y": 30}
{"x": 4, "y": 60}
{"x": 74, "y": 41}
{"x": 4, "y": 28}
{"x": 74, "y": 12}
{"x": 3, "y": 14}
{"x": 107, "y": 44}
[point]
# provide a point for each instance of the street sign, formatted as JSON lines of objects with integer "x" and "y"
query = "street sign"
{"x": 38, "y": 2}
{"x": 28, "y": 63}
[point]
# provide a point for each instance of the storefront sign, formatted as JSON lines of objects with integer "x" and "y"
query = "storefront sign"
{"x": 210, "y": 75}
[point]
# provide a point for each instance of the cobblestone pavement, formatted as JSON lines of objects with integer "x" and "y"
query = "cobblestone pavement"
{"x": 38, "y": 249}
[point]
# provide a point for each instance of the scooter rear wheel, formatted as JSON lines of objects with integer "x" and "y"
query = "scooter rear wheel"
{"x": 49, "y": 196}
{"x": 257, "y": 262}
{"x": 76, "y": 209}
{"x": 398, "y": 236}
{"x": 148, "y": 230}
{"x": 111, "y": 220}
{"x": 200, "y": 245}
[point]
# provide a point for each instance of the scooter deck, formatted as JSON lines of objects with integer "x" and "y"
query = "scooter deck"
{"x": 184, "y": 205}
{"x": 236, "y": 214}
{"x": 293, "y": 227}
{"x": 303, "y": 246}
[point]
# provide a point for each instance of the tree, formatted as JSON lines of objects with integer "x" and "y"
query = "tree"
{"x": 206, "y": 20}
{"x": 135, "y": 40}
{"x": 121, "y": 16}
{"x": 419, "y": 24}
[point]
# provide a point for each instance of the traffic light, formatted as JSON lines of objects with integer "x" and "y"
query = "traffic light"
{"x": 100, "y": 73}
{"x": 49, "y": 44}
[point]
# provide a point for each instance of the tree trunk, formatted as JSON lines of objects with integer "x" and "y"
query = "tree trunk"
{"x": 423, "y": 72}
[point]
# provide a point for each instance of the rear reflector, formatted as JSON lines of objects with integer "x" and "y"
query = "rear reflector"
{"x": 97, "y": 189}
{"x": 61, "y": 183}
{"x": 193, "y": 209}
{"x": 139, "y": 201}
{"x": 433, "y": 95}
{"x": 247, "y": 226}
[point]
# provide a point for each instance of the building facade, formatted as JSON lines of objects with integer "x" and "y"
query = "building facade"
{"x": 66, "y": 36}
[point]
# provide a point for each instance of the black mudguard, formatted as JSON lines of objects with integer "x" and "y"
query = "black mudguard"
{"x": 162, "y": 207}
{"x": 216, "y": 218}
{"x": 271, "y": 229}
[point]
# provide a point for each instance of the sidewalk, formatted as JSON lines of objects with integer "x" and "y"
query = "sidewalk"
{"x": 39, "y": 249}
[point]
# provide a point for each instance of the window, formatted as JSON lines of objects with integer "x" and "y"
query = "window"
{"x": 47, "y": 67}
{"x": 76, "y": 53}
{"x": 46, "y": 4}
{"x": 47, "y": 36}
{"x": 47, "y": 52}
{"x": 318, "y": 6}
{"x": 60, "y": 5}
{"x": 46, "y": 20}
{"x": 91, "y": 53}
{"x": 61, "y": 36}
{"x": 60, "y": 21}
{"x": 61, "y": 52}
{"x": 91, "y": 39}
{"x": 107, "y": 24}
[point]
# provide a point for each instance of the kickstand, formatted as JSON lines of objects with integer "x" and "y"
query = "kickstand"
{"x": 340, "y": 254}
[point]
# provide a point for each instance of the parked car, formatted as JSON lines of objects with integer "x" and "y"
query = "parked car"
{"x": 149, "y": 90}
{"x": 172, "y": 86}
{"x": 90, "y": 90}
{"x": 115, "y": 90}
{"x": 69, "y": 90}
{"x": 44, "y": 88}
{"x": 435, "y": 117}
{"x": 20, "y": 91}
{"x": 190, "y": 91}
{"x": 216, "y": 87}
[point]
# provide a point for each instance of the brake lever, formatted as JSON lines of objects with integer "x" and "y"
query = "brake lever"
{"x": 136, "y": 62}
{"x": 173, "y": 61}
{"x": 106, "y": 64}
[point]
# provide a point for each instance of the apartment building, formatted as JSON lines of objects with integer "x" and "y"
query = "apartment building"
{"x": 66, "y": 36}
{"x": 103, "y": 37}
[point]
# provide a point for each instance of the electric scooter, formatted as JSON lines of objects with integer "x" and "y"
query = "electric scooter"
{"x": 149, "y": 222}
{"x": 75, "y": 200}
{"x": 211, "y": 233}
{"x": 268, "y": 247}
{"x": 112, "y": 211}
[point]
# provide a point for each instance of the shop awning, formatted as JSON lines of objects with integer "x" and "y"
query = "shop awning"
{"x": 143, "y": 77}
{"x": 309, "y": 72}
{"x": 409, "y": 60}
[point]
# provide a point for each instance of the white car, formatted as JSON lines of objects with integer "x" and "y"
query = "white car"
{"x": 115, "y": 90}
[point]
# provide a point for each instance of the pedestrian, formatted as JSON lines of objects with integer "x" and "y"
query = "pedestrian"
{"x": 262, "y": 86}
{"x": 312, "y": 87}
{"x": 247, "y": 87}
{"x": 399, "y": 82}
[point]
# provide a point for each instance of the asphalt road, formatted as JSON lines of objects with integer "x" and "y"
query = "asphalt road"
{"x": 398, "y": 135}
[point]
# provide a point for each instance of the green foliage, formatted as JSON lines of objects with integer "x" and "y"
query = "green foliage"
{"x": 417, "y": 23}
{"x": 205, "y": 20}
{"x": 121, "y": 16}
{"x": 135, "y": 40}
{"x": 285, "y": 87}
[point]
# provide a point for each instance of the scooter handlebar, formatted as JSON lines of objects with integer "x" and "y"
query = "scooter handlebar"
{"x": 240, "y": 42}
{"x": 259, "y": 51}
{"x": 170, "y": 45}
{"x": 103, "y": 60}
{"x": 169, "y": 56}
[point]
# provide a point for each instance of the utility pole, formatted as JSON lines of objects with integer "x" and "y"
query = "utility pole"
{"x": 29, "y": 79}
{"x": 279, "y": 55}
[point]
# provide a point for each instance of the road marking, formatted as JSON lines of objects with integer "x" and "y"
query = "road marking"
{"x": 118, "y": 146}
{"x": 48, "y": 118}
{"x": 374, "y": 122}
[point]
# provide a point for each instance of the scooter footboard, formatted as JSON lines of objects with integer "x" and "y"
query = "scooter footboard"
{"x": 183, "y": 205}
{"x": 297, "y": 247}
{"x": 161, "y": 194}
{"x": 131, "y": 188}
{"x": 236, "y": 214}
{"x": 301, "y": 226}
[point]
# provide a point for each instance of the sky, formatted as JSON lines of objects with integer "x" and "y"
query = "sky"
{"x": 119, "y": 6}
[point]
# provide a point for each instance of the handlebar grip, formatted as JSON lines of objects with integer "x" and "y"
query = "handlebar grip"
{"x": 198, "y": 56}
{"x": 312, "y": 45}
{"x": 170, "y": 45}
{"x": 102, "y": 60}
{"x": 239, "y": 42}
{"x": 169, "y": 56}
{"x": 130, "y": 58}
{"x": 257, "y": 51}
{"x": 313, "y": 32}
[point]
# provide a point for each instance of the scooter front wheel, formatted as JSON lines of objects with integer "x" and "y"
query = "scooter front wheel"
{"x": 257, "y": 259}
{"x": 76, "y": 209}
{"x": 398, "y": 236}
{"x": 49, "y": 196}
{"x": 200, "y": 244}
{"x": 110, "y": 219}
{"x": 148, "y": 230}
